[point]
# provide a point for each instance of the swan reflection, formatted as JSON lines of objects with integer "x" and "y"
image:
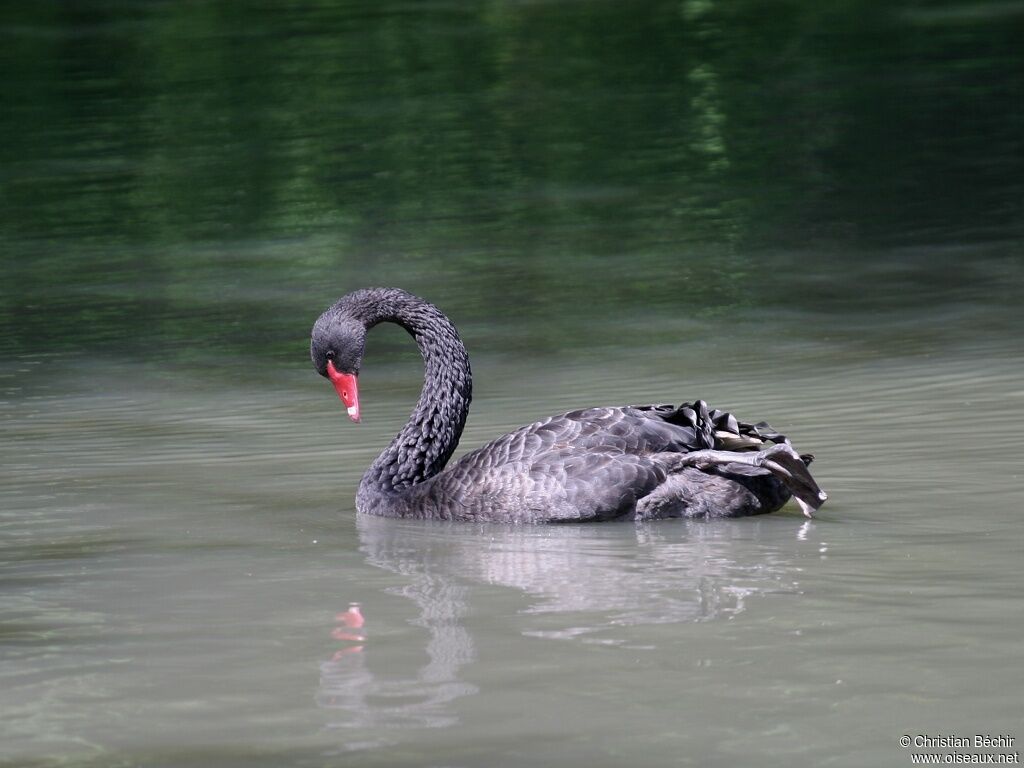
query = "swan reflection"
{"x": 588, "y": 584}
{"x": 420, "y": 700}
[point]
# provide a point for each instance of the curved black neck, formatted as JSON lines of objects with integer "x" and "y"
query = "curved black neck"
{"x": 432, "y": 432}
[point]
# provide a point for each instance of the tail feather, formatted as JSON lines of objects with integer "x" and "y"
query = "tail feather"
{"x": 721, "y": 431}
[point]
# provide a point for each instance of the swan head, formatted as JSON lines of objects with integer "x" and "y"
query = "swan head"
{"x": 336, "y": 348}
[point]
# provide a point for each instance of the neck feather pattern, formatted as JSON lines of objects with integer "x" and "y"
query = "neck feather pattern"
{"x": 430, "y": 436}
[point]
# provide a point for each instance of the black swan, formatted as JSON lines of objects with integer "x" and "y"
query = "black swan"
{"x": 631, "y": 462}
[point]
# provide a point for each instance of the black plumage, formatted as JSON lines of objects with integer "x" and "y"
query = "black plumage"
{"x": 630, "y": 462}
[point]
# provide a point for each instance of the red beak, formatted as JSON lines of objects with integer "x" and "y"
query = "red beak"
{"x": 347, "y": 388}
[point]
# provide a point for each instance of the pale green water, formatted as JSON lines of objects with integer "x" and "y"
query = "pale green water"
{"x": 810, "y": 217}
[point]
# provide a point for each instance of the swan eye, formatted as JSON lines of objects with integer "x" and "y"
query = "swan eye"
{"x": 330, "y": 354}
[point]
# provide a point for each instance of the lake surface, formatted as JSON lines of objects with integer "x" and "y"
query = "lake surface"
{"x": 804, "y": 215}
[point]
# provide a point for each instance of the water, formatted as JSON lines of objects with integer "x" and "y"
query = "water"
{"x": 810, "y": 216}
